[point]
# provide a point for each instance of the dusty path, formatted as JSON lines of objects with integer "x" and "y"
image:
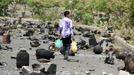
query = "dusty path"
{"x": 87, "y": 61}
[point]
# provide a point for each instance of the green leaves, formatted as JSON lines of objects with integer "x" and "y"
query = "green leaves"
{"x": 3, "y": 6}
{"x": 87, "y": 18}
{"x": 99, "y": 5}
{"x": 131, "y": 16}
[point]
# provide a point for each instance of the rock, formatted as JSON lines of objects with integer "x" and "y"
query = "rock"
{"x": 120, "y": 68}
{"x": 29, "y": 33}
{"x": 104, "y": 73}
{"x": 81, "y": 44}
{"x": 52, "y": 38}
{"x": 13, "y": 57}
{"x": 80, "y": 29}
{"x": 127, "y": 38}
{"x": 110, "y": 29}
{"x": 1, "y": 32}
{"x": 110, "y": 58}
{"x": 124, "y": 73}
{"x": 52, "y": 69}
{"x": 44, "y": 37}
{"x": 129, "y": 63}
{"x": 86, "y": 34}
{"x": 96, "y": 31}
{"x": 25, "y": 70}
{"x": 45, "y": 54}
{"x": 34, "y": 43}
{"x": 92, "y": 40}
{"x": 36, "y": 67}
{"x": 86, "y": 46}
{"x": 87, "y": 72}
{"x": 45, "y": 41}
{"x": 3, "y": 64}
{"x": 120, "y": 54}
{"x": 4, "y": 47}
{"x": 77, "y": 32}
{"x": 30, "y": 48}
{"x": 106, "y": 34}
{"x": 33, "y": 39}
{"x": 97, "y": 49}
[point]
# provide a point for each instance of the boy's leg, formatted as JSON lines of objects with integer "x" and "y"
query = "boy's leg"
{"x": 67, "y": 48}
{"x": 66, "y": 43}
{"x": 64, "y": 48}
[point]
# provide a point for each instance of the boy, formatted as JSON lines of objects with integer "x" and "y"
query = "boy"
{"x": 66, "y": 33}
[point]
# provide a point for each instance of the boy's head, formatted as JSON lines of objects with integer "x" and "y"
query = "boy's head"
{"x": 66, "y": 13}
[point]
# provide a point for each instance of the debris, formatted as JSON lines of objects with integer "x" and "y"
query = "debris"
{"x": 22, "y": 58}
{"x": 43, "y": 60}
{"x": 26, "y": 70}
{"x": 87, "y": 34}
{"x": 124, "y": 73}
{"x": 13, "y": 57}
{"x": 97, "y": 49}
{"x": 36, "y": 67}
{"x": 106, "y": 34}
{"x": 88, "y": 72}
{"x": 34, "y": 43}
{"x": 46, "y": 54}
{"x": 82, "y": 44}
{"x": 129, "y": 63}
{"x": 109, "y": 59}
{"x": 92, "y": 40}
{"x": 30, "y": 48}
{"x": 44, "y": 37}
{"x": 104, "y": 73}
{"x": 45, "y": 41}
{"x": 52, "y": 69}
{"x": 6, "y": 38}
{"x": 3, "y": 64}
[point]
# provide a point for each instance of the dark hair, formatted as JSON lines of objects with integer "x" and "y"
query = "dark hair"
{"x": 66, "y": 13}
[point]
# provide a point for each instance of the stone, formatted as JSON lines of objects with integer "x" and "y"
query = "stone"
{"x": 104, "y": 73}
{"x": 124, "y": 73}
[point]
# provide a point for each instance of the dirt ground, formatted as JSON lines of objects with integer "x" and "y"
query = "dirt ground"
{"x": 87, "y": 60}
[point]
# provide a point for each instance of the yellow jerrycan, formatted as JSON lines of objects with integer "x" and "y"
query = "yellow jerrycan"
{"x": 74, "y": 47}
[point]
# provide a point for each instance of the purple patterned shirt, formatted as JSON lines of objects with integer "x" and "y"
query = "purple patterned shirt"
{"x": 65, "y": 27}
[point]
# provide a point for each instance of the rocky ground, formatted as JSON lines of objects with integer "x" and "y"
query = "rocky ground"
{"x": 87, "y": 60}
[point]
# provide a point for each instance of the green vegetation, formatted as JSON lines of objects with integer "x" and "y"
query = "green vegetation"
{"x": 121, "y": 11}
{"x": 3, "y": 6}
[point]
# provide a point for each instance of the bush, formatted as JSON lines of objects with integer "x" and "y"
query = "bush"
{"x": 87, "y": 18}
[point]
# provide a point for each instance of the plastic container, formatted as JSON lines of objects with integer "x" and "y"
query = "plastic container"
{"x": 74, "y": 47}
{"x": 22, "y": 59}
{"x": 58, "y": 43}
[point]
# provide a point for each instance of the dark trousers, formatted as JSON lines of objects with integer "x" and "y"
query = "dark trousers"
{"x": 66, "y": 46}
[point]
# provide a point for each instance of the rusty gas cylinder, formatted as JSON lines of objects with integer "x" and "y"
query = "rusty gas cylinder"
{"x": 6, "y": 38}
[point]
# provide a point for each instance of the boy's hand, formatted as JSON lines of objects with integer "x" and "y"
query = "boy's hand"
{"x": 59, "y": 36}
